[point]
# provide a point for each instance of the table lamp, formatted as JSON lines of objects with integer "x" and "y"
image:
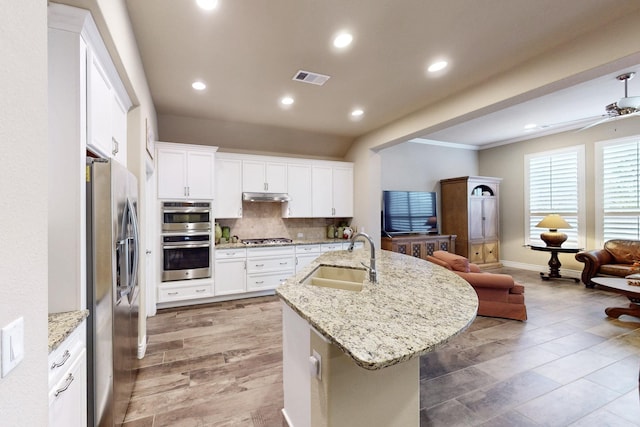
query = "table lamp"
{"x": 553, "y": 237}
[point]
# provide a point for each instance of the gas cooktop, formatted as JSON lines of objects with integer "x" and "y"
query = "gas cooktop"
{"x": 266, "y": 241}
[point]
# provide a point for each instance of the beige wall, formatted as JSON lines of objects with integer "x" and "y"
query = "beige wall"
{"x": 420, "y": 167}
{"x": 507, "y": 162}
{"x": 23, "y": 198}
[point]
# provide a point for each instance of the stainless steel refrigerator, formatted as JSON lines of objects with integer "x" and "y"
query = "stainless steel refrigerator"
{"x": 112, "y": 290}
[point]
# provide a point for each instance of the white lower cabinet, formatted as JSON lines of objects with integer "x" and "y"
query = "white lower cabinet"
{"x": 306, "y": 254}
{"x": 230, "y": 271}
{"x": 268, "y": 267}
{"x": 68, "y": 381}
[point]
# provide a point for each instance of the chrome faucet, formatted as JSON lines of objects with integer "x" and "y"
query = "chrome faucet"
{"x": 373, "y": 274}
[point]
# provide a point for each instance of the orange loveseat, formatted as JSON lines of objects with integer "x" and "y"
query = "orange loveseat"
{"x": 498, "y": 294}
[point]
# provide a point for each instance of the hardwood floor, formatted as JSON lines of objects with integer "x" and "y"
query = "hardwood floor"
{"x": 568, "y": 365}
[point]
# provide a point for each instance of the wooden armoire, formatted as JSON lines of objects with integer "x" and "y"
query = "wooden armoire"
{"x": 469, "y": 209}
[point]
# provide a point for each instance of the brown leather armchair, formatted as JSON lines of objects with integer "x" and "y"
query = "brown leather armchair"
{"x": 618, "y": 258}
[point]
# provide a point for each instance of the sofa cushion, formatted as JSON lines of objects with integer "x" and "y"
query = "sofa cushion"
{"x": 623, "y": 251}
{"x": 457, "y": 262}
{"x": 438, "y": 261}
{"x": 620, "y": 270}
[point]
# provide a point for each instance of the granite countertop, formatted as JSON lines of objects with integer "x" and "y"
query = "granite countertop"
{"x": 61, "y": 325}
{"x": 415, "y": 307}
{"x": 294, "y": 242}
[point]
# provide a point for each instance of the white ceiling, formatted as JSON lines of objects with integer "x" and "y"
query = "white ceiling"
{"x": 247, "y": 52}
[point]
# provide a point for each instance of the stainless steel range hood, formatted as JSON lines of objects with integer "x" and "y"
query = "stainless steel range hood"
{"x": 265, "y": 197}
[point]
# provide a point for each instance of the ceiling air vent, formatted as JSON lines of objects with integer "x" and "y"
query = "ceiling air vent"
{"x": 309, "y": 77}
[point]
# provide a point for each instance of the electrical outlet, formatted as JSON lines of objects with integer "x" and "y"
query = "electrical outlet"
{"x": 12, "y": 345}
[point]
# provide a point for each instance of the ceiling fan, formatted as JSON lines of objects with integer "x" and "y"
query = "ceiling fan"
{"x": 625, "y": 107}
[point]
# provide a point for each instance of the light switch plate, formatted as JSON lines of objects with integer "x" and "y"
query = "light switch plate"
{"x": 12, "y": 345}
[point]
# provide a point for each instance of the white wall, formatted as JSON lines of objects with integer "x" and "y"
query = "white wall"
{"x": 420, "y": 167}
{"x": 23, "y": 205}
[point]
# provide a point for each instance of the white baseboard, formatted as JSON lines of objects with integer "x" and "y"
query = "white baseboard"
{"x": 533, "y": 267}
{"x": 142, "y": 347}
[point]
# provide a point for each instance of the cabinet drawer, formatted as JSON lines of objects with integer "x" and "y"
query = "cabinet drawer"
{"x": 256, "y": 282}
{"x": 257, "y": 265}
{"x": 62, "y": 357}
{"x": 308, "y": 249}
{"x": 231, "y": 253}
{"x": 68, "y": 396}
{"x": 328, "y": 247}
{"x": 271, "y": 251}
{"x": 177, "y": 293}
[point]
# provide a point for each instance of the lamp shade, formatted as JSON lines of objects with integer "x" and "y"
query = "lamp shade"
{"x": 553, "y": 237}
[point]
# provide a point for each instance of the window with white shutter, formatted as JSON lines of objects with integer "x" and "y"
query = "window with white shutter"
{"x": 554, "y": 184}
{"x": 618, "y": 190}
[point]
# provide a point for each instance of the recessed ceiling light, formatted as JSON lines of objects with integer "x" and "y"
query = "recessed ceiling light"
{"x": 530, "y": 126}
{"x": 287, "y": 100}
{"x": 342, "y": 40}
{"x": 358, "y": 112}
{"x": 207, "y": 4}
{"x": 198, "y": 85}
{"x": 437, "y": 66}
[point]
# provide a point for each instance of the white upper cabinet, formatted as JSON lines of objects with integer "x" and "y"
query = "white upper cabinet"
{"x": 106, "y": 112}
{"x": 299, "y": 189}
{"x": 332, "y": 190}
{"x": 99, "y": 106}
{"x": 264, "y": 177}
{"x": 228, "y": 197}
{"x": 119, "y": 131}
{"x": 185, "y": 171}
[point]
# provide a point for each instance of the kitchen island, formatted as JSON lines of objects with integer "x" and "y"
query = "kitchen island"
{"x": 352, "y": 357}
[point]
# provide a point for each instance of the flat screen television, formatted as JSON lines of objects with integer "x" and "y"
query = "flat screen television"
{"x": 405, "y": 212}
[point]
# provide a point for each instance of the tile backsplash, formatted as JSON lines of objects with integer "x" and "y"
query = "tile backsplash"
{"x": 260, "y": 220}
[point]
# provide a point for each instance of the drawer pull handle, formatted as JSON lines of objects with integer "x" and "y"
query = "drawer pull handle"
{"x": 69, "y": 380}
{"x": 65, "y": 357}
{"x": 259, "y": 265}
{"x": 172, "y": 293}
{"x": 259, "y": 282}
{"x": 284, "y": 263}
{"x": 201, "y": 290}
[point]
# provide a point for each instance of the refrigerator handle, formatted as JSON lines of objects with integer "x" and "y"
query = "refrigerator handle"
{"x": 136, "y": 246}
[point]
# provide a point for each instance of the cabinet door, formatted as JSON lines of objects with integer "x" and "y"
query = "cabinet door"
{"x": 228, "y": 197}
{"x": 172, "y": 173}
{"x": 342, "y": 192}
{"x": 276, "y": 177}
{"x": 490, "y": 216}
{"x": 299, "y": 189}
{"x": 200, "y": 175}
{"x": 475, "y": 218}
{"x": 230, "y": 277}
{"x": 68, "y": 398}
{"x": 99, "y": 100}
{"x": 119, "y": 131}
{"x": 490, "y": 252}
{"x": 253, "y": 176}
{"x": 476, "y": 253}
{"x": 322, "y": 188}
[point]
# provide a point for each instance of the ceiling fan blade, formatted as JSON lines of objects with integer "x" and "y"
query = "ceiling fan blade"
{"x": 596, "y": 123}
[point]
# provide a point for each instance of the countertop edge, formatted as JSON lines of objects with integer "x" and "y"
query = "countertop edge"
{"x": 61, "y": 325}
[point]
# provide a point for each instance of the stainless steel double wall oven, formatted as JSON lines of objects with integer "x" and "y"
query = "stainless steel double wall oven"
{"x": 186, "y": 240}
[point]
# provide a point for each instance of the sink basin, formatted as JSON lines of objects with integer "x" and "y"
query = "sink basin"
{"x": 346, "y": 278}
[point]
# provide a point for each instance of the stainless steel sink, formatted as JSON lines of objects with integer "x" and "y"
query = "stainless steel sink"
{"x": 346, "y": 278}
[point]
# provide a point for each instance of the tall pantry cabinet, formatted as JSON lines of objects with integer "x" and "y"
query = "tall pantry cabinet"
{"x": 88, "y": 107}
{"x": 470, "y": 210}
